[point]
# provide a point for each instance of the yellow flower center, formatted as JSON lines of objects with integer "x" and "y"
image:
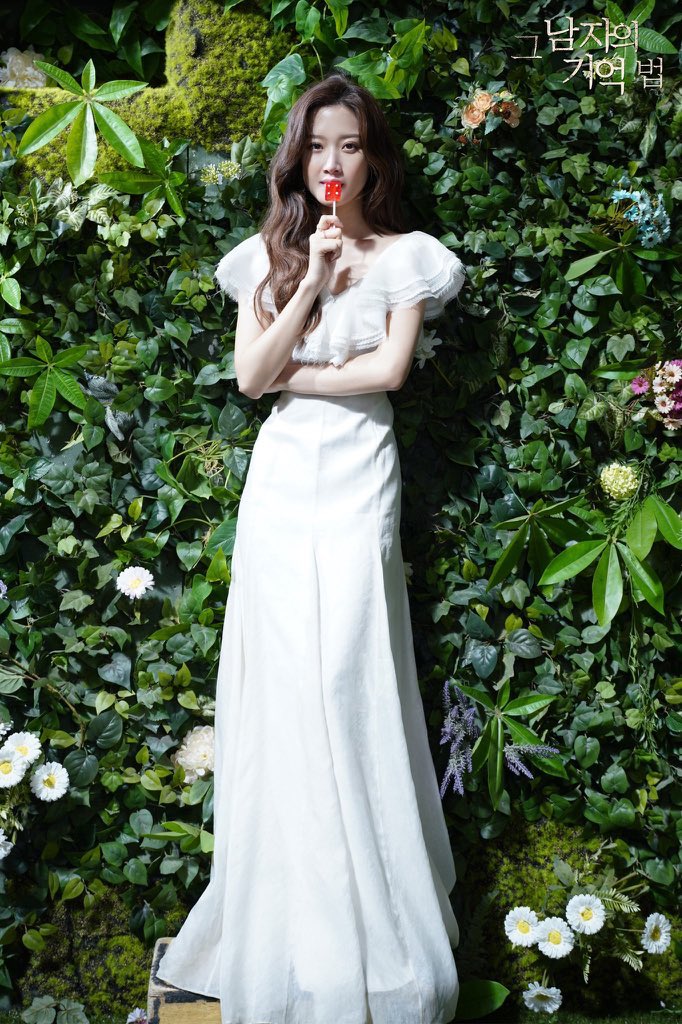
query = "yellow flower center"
{"x": 6, "y": 767}
{"x": 586, "y": 914}
{"x": 136, "y": 582}
{"x": 23, "y": 749}
{"x": 523, "y": 926}
{"x": 554, "y": 937}
{"x": 50, "y": 781}
{"x": 655, "y": 933}
{"x": 543, "y": 995}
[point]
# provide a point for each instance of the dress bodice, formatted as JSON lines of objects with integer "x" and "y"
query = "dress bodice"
{"x": 413, "y": 267}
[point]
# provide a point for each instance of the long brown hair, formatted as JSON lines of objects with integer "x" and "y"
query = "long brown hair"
{"x": 294, "y": 212}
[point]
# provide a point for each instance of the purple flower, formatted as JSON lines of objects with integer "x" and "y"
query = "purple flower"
{"x": 514, "y": 762}
{"x": 459, "y": 727}
{"x": 640, "y": 385}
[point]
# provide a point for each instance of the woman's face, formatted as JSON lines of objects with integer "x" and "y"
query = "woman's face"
{"x": 333, "y": 153}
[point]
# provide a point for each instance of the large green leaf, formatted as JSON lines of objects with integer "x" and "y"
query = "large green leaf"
{"x": 48, "y": 125}
{"x": 607, "y": 586}
{"x": 644, "y": 577}
{"x": 571, "y": 561}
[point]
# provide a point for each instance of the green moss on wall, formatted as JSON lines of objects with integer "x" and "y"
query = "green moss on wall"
{"x": 516, "y": 870}
{"x": 214, "y": 64}
{"x": 93, "y": 955}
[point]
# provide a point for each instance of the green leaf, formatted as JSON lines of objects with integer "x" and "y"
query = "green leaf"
{"x": 509, "y": 557}
{"x": 41, "y": 402}
{"x": 668, "y": 520}
{"x": 48, "y": 125}
{"x": 528, "y": 705}
{"x": 11, "y": 292}
{"x": 22, "y": 366}
{"x": 478, "y": 695}
{"x": 496, "y": 762}
{"x": 117, "y": 133}
{"x": 607, "y": 586}
{"x": 106, "y": 729}
{"x": 586, "y": 749}
{"x": 654, "y": 42}
{"x": 571, "y": 561}
{"x": 68, "y": 388}
{"x": 81, "y": 147}
{"x": 644, "y": 577}
{"x": 64, "y": 79}
{"x": 641, "y": 532}
{"x": 479, "y": 998}
{"x": 118, "y": 89}
{"x": 582, "y": 266}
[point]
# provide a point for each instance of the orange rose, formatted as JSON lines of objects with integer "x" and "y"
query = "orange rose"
{"x": 509, "y": 112}
{"x": 472, "y": 116}
{"x": 482, "y": 101}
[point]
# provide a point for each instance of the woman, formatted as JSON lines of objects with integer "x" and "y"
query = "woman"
{"x": 328, "y": 896}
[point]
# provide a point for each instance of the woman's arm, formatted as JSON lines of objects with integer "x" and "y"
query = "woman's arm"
{"x": 385, "y": 368}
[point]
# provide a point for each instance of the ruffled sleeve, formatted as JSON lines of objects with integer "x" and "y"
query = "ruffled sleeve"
{"x": 416, "y": 266}
{"x": 243, "y": 268}
{"x": 423, "y": 268}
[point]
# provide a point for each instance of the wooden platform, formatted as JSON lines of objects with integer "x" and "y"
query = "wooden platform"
{"x": 169, "y": 1005}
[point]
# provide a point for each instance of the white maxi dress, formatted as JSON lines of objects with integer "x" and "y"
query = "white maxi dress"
{"x": 328, "y": 897}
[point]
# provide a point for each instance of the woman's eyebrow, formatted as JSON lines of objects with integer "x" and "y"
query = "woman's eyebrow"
{"x": 352, "y": 136}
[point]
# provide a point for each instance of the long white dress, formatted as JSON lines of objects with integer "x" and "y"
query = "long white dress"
{"x": 329, "y": 886}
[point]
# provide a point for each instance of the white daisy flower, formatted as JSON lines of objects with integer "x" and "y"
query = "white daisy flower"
{"x": 134, "y": 581}
{"x": 554, "y": 937}
{"x": 12, "y": 769}
{"x": 24, "y": 744}
{"x": 50, "y": 781}
{"x": 659, "y": 384}
{"x": 540, "y": 998}
{"x": 520, "y": 925}
{"x": 585, "y": 913}
{"x": 671, "y": 373}
{"x": 5, "y": 844}
{"x": 5, "y": 727}
{"x": 664, "y": 403}
{"x": 656, "y": 933}
{"x": 196, "y": 755}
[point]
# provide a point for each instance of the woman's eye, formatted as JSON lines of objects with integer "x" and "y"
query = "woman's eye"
{"x": 352, "y": 144}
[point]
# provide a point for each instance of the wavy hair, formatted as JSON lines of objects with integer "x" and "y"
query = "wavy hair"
{"x": 293, "y": 212}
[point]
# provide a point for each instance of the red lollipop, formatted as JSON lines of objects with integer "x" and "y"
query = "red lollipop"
{"x": 332, "y": 190}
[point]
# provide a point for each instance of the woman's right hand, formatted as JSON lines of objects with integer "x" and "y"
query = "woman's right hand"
{"x": 326, "y": 245}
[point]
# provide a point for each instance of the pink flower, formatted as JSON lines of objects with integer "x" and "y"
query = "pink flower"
{"x": 640, "y": 385}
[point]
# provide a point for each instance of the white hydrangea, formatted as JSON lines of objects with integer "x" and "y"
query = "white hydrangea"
{"x": 12, "y": 769}
{"x": 19, "y": 72}
{"x": 24, "y": 744}
{"x": 540, "y": 998}
{"x": 5, "y": 844}
{"x": 134, "y": 581}
{"x": 520, "y": 926}
{"x": 50, "y": 781}
{"x": 196, "y": 754}
{"x": 585, "y": 913}
{"x": 656, "y": 933}
{"x": 554, "y": 937}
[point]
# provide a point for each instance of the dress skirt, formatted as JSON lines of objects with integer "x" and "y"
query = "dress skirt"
{"x": 328, "y": 892}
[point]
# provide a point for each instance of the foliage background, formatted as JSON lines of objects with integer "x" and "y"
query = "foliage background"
{"x": 146, "y": 467}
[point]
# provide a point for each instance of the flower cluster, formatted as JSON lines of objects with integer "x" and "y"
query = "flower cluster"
{"x": 556, "y": 937}
{"x": 459, "y": 729}
{"x": 134, "y": 581}
{"x": 213, "y": 174}
{"x": 18, "y": 752}
{"x": 490, "y": 109}
{"x": 663, "y": 382}
{"x": 652, "y": 219}
{"x": 196, "y": 754}
{"x": 619, "y": 481}
{"x": 19, "y": 72}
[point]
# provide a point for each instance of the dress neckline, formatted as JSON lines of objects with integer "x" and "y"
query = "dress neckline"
{"x": 337, "y": 295}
